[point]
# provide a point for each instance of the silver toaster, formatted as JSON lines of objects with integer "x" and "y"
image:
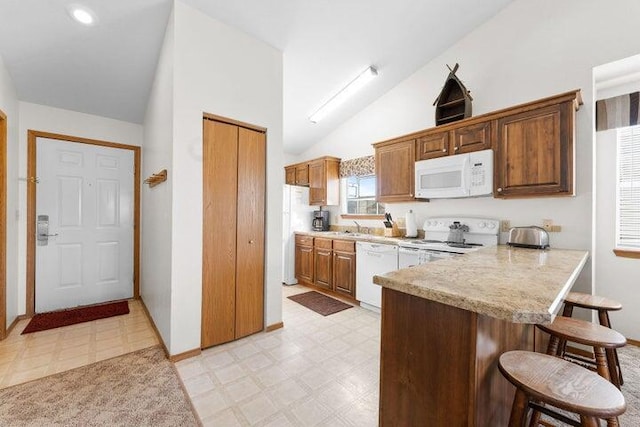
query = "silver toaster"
{"x": 529, "y": 237}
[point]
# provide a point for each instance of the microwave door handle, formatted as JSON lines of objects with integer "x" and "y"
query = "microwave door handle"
{"x": 466, "y": 174}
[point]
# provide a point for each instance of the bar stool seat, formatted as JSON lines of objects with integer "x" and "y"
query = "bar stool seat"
{"x": 602, "y": 339}
{"x": 592, "y": 302}
{"x": 543, "y": 379}
{"x": 603, "y": 306}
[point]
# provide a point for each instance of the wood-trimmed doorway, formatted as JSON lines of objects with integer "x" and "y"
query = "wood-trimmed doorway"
{"x": 3, "y": 225}
{"x": 31, "y": 208}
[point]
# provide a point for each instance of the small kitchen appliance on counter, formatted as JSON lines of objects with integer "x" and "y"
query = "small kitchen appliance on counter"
{"x": 528, "y": 237}
{"x": 320, "y": 220}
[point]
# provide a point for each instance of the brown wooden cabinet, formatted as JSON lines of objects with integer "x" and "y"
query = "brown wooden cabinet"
{"x": 302, "y": 174}
{"x": 323, "y": 262}
{"x": 321, "y": 176}
{"x": 324, "y": 181}
{"x": 344, "y": 267}
{"x": 534, "y": 154}
{"x": 533, "y": 147}
{"x": 326, "y": 264}
{"x": 290, "y": 175}
{"x": 395, "y": 170}
{"x": 234, "y": 169}
{"x": 465, "y": 139}
{"x": 304, "y": 259}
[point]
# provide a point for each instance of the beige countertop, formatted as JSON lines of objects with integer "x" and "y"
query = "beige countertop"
{"x": 514, "y": 284}
{"x": 359, "y": 237}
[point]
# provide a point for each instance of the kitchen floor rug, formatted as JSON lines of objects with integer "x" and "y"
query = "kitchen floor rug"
{"x": 319, "y": 303}
{"x": 137, "y": 389}
{"x": 56, "y": 319}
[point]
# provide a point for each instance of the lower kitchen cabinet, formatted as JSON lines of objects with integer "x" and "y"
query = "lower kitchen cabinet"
{"x": 327, "y": 264}
{"x": 344, "y": 267}
{"x": 323, "y": 263}
{"x": 304, "y": 259}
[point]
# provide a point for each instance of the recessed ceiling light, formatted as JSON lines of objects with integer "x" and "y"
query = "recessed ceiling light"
{"x": 81, "y": 14}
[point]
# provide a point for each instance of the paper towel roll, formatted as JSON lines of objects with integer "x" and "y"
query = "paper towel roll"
{"x": 410, "y": 224}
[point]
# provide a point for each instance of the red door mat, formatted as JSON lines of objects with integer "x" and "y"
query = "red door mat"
{"x": 56, "y": 319}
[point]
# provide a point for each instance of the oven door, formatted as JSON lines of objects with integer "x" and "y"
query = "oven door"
{"x": 410, "y": 257}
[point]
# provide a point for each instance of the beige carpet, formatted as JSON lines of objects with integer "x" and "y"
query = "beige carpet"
{"x": 137, "y": 389}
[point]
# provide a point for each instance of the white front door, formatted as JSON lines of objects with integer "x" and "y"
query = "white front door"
{"x": 84, "y": 224}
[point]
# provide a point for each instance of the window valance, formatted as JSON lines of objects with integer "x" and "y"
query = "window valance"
{"x": 618, "y": 111}
{"x": 361, "y": 166}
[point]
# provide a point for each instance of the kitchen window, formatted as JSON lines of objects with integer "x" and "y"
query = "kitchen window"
{"x": 360, "y": 196}
{"x": 628, "y": 192}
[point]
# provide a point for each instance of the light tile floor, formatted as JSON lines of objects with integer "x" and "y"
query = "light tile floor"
{"x": 315, "y": 371}
{"x": 27, "y": 357}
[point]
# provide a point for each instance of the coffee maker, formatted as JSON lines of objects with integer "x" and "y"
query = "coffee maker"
{"x": 320, "y": 220}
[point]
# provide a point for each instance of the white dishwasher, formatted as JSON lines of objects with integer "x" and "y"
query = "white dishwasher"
{"x": 373, "y": 259}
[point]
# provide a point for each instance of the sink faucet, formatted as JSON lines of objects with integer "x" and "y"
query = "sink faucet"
{"x": 357, "y": 226}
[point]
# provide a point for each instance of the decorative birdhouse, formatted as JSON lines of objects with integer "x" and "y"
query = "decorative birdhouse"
{"x": 454, "y": 101}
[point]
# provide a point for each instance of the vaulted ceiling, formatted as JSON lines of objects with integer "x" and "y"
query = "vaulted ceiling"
{"x": 107, "y": 69}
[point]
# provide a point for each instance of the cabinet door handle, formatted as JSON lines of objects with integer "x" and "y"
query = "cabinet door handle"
{"x": 499, "y": 189}
{"x": 444, "y": 150}
{"x": 456, "y": 148}
{"x": 251, "y": 242}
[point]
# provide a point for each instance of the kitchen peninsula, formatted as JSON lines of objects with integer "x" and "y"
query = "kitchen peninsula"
{"x": 445, "y": 323}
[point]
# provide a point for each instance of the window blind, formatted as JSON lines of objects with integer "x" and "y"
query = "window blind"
{"x": 628, "y": 188}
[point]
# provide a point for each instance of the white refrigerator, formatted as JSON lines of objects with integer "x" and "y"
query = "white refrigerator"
{"x": 297, "y": 216}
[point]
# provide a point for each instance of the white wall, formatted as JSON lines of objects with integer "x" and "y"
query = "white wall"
{"x": 530, "y": 50}
{"x": 9, "y": 105}
{"x": 222, "y": 71}
{"x": 156, "y": 248}
{"x": 615, "y": 277}
{"x": 65, "y": 122}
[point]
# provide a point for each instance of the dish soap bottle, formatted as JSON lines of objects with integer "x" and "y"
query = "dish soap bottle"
{"x": 410, "y": 224}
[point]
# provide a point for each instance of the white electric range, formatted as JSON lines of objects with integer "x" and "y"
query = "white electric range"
{"x": 479, "y": 232}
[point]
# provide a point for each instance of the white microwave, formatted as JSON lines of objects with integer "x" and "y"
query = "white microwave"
{"x": 462, "y": 175}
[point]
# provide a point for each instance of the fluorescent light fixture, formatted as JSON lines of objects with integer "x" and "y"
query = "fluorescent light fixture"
{"x": 81, "y": 14}
{"x": 339, "y": 98}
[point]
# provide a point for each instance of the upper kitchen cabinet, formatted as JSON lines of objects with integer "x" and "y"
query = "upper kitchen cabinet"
{"x": 321, "y": 176}
{"x": 535, "y": 148}
{"x": 460, "y": 139}
{"x": 395, "y": 165}
{"x": 297, "y": 174}
{"x": 324, "y": 181}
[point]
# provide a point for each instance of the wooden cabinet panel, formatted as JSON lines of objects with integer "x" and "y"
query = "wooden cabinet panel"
{"x": 471, "y": 138}
{"x": 290, "y": 175}
{"x": 344, "y": 272}
{"x": 432, "y": 146}
{"x": 304, "y": 263}
{"x": 220, "y": 160}
{"x": 304, "y": 240}
{"x": 302, "y": 174}
{"x": 323, "y": 261}
{"x": 534, "y": 155}
{"x": 324, "y": 181}
{"x": 395, "y": 166}
{"x": 250, "y": 234}
{"x": 322, "y": 243}
{"x": 344, "y": 245}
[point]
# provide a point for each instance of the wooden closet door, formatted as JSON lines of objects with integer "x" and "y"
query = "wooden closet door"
{"x": 251, "y": 213}
{"x": 220, "y": 189}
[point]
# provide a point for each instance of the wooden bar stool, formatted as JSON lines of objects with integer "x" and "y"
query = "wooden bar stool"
{"x": 593, "y": 302}
{"x": 603, "y": 340}
{"x": 542, "y": 379}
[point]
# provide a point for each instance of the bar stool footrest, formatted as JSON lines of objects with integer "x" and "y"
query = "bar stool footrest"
{"x": 553, "y": 414}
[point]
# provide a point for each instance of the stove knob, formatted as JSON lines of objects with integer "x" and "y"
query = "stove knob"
{"x": 482, "y": 225}
{"x": 491, "y": 225}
